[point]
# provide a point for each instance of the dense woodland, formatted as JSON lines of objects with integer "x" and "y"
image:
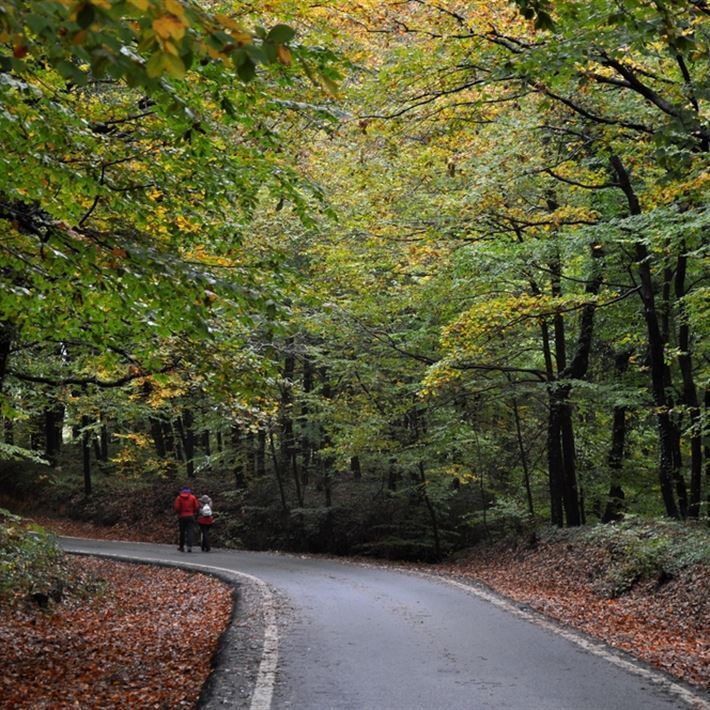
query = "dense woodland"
{"x": 389, "y": 276}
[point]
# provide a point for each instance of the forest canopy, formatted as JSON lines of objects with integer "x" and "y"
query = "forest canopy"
{"x": 393, "y": 271}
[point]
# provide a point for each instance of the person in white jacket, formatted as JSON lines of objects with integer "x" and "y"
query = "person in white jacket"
{"x": 205, "y": 520}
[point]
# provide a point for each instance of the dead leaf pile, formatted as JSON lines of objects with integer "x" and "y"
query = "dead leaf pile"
{"x": 146, "y": 641}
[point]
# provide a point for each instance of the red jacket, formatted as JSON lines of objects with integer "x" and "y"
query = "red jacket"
{"x": 186, "y": 505}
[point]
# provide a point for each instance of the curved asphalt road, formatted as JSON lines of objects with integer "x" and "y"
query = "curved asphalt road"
{"x": 354, "y": 637}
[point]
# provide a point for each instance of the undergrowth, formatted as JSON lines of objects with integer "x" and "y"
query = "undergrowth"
{"x": 646, "y": 550}
{"x": 33, "y": 568}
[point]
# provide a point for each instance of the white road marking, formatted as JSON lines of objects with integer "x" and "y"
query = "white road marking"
{"x": 598, "y": 649}
{"x": 266, "y": 676}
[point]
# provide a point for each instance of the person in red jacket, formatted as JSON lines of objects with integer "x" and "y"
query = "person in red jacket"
{"x": 186, "y": 506}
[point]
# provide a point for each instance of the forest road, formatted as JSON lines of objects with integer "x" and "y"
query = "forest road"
{"x": 338, "y": 635}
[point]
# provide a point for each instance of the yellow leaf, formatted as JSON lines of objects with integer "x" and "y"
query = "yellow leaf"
{"x": 227, "y": 21}
{"x": 140, "y": 4}
{"x": 169, "y": 47}
{"x": 176, "y": 8}
{"x": 283, "y": 55}
{"x": 167, "y": 26}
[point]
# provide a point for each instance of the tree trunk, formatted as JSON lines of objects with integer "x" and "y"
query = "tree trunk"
{"x": 187, "y": 438}
{"x": 170, "y": 448}
{"x": 690, "y": 392}
{"x": 355, "y": 468}
{"x": 570, "y": 494}
{"x": 328, "y": 461}
{"x": 189, "y": 442}
{"x": 287, "y": 440}
{"x": 7, "y": 335}
{"x": 432, "y": 512}
{"x": 260, "y": 453}
{"x": 156, "y": 431}
{"x": 615, "y": 504}
{"x": 53, "y": 425}
{"x": 706, "y": 401}
{"x": 104, "y": 439}
{"x": 86, "y": 453}
{"x": 97, "y": 446}
{"x": 392, "y": 475}
{"x": 554, "y": 448}
{"x": 238, "y": 460}
{"x": 568, "y": 479}
{"x": 656, "y": 351}
{"x": 555, "y": 461}
{"x": 8, "y": 431}
{"x": 523, "y": 457}
{"x": 277, "y": 473}
{"x": 306, "y": 443}
{"x": 250, "y": 455}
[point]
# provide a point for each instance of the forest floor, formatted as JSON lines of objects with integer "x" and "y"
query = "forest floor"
{"x": 144, "y": 638}
{"x": 663, "y": 620}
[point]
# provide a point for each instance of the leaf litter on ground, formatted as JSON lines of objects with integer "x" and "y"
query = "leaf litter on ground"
{"x": 146, "y": 639}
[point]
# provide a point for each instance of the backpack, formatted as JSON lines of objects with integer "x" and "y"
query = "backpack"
{"x": 206, "y": 511}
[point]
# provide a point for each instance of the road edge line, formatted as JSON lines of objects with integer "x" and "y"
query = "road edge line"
{"x": 598, "y": 648}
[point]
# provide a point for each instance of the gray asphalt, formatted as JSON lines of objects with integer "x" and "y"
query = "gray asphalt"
{"x": 356, "y": 637}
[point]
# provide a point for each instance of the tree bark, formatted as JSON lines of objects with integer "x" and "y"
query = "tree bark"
{"x": 156, "y": 430}
{"x": 205, "y": 442}
{"x": 432, "y": 512}
{"x": 287, "y": 441}
{"x": 615, "y": 505}
{"x": 555, "y": 461}
{"x": 53, "y": 425}
{"x": 656, "y": 351}
{"x": 690, "y": 392}
{"x": 184, "y": 425}
{"x": 260, "y": 453}
{"x": 306, "y": 443}
{"x": 86, "y": 453}
{"x": 7, "y": 335}
{"x": 523, "y": 458}
{"x": 238, "y": 461}
{"x": 554, "y": 448}
{"x": 103, "y": 439}
{"x": 355, "y": 468}
{"x": 8, "y": 431}
{"x": 171, "y": 453}
{"x": 277, "y": 473}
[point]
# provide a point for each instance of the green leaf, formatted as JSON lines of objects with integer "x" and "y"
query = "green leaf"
{"x": 174, "y": 66}
{"x": 154, "y": 67}
{"x": 280, "y": 34}
{"x": 247, "y": 70}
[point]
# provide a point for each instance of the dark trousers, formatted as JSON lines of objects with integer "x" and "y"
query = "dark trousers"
{"x": 185, "y": 532}
{"x": 205, "y": 531}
